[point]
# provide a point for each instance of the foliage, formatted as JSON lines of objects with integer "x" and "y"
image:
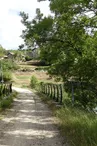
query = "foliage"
{"x": 5, "y": 103}
{"x": 34, "y": 81}
{"x": 28, "y": 58}
{"x": 82, "y": 94}
{"x": 79, "y": 126}
{"x": 21, "y": 47}
{"x": 8, "y": 65}
{"x": 19, "y": 55}
{"x": 76, "y": 125}
{"x": 67, "y": 40}
{"x": 6, "y": 76}
{"x": 2, "y": 51}
{"x": 7, "y": 100}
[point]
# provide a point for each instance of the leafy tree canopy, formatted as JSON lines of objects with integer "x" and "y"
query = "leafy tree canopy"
{"x": 67, "y": 40}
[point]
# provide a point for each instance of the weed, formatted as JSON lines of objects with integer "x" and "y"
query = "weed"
{"x": 6, "y": 101}
{"x": 34, "y": 81}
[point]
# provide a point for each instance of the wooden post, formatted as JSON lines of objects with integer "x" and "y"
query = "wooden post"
{"x": 61, "y": 94}
{"x": 57, "y": 89}
{"x": 51, "y": 90}
{"x": 41, "y": 86}
{"x": 4, "y": 88}
{"x": 48, "y": 90}
{"x": 54, "y": 92}
{"x": 1, "y": 90}
{"x": 10, "y": 88}
{"x": 45, "y": 88}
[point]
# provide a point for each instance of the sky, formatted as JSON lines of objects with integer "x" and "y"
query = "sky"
{"x": 10, "y": 21}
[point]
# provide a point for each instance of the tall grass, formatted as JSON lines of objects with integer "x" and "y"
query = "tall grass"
{"x": 79, "y": 126}
{"x": 6, "y": 102}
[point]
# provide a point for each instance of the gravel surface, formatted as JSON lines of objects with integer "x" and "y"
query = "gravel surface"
{"x": 29, "y": 123}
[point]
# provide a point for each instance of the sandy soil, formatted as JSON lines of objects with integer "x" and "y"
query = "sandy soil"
{"x": 29, "y": 123}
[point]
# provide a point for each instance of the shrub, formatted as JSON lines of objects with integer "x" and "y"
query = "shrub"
{"x": 6, "y": 76}
{"x": 27, "y": 58}
{"x": 5, "y": 101}
{"x": 34, "y": 81}
{"x": 84, "y": 94}
{"x": 9, "y": 65}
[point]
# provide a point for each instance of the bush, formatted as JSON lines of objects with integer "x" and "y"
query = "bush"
{"x": 27, "y": 58}
{"x": 5, "y": 101}
{"x": 84, "y": 94}
{"x": 6, "y": 76}
{"x": 9, "y": 65}
{"x": 34, "y": 82}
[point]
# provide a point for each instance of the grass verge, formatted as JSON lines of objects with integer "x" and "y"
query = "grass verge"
{"x": 6, "y": 101}
{"x": 80, "y": 127}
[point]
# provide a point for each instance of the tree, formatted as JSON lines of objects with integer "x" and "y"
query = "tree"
{"x": 67, "y": 40}
{"x": 62, "y": 39}
{"x": 21, "y": 46}
{"x": 2, "y": 51}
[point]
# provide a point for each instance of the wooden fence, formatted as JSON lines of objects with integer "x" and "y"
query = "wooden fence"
{"x": 80, "y": 91}
{"x": 5, "y": 88}
{"x": 54, "y": 91}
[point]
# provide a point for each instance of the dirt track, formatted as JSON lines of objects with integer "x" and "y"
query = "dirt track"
{"x": 29, "y": 123}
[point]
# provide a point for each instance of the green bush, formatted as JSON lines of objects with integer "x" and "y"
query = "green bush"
{"x": 34, "y": 82}
{"x": 9, "y": 65}
{"x": 84, "y": 94}
{"x": 27, "y": 58}
{"x": 6, "y": 76}
{"x": 6, "y": 102}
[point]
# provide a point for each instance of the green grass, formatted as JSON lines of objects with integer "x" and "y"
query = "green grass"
{"x": 25, "y": 86}
{"x": 79, "y": 127}
{"x": 23, "y": 77}
{"x": 6, "y": 102}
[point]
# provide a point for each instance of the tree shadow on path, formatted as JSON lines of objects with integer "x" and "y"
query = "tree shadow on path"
{"x": 29, "y": 123}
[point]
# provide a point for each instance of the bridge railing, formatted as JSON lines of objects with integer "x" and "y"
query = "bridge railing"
{"x": 5, "y": 88}
{"x": 54, "y": 91}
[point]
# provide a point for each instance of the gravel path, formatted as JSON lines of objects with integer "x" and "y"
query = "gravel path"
{"x": 29, "y": 123}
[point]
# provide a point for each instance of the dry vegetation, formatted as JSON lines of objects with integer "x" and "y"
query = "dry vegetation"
{"x": 22, "y": 76}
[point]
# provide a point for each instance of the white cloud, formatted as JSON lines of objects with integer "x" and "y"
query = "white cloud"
{"x": 10, "y": 22}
